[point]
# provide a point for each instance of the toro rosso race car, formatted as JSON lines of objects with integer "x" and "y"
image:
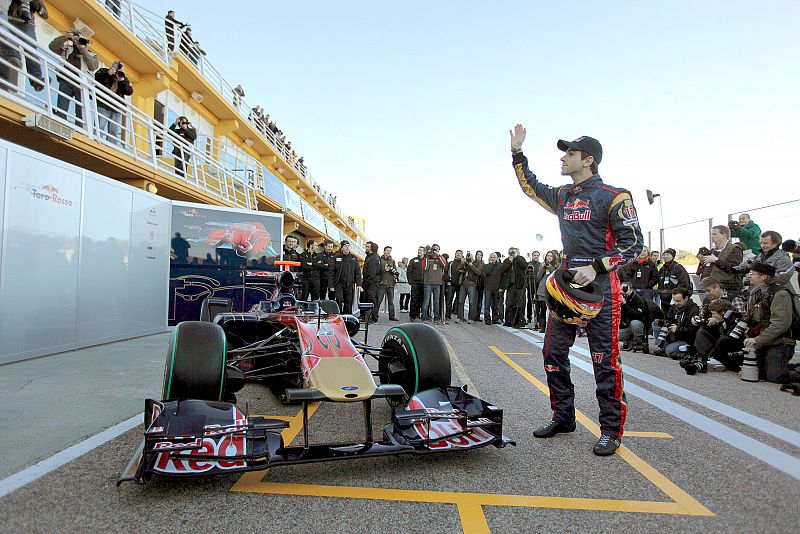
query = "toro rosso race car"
{"x": 305, "y": 352}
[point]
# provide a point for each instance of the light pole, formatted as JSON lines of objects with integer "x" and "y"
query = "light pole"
{"x": 650, "y": 199}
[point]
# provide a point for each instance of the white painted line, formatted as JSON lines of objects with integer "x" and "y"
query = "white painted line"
{"x": 767, "y": 454}
{"x": 38, "y": 470}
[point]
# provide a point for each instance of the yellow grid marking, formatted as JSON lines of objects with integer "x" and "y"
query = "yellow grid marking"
{"x": 470, "y": 505}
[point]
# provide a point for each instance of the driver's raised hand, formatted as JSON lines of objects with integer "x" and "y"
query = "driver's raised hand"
{"x": 517, "y": 137}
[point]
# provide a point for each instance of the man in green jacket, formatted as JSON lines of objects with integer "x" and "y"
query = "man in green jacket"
{"x": 747, "y": 231}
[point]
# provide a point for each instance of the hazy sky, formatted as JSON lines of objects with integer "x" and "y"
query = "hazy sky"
{"x": 402, "y": 109}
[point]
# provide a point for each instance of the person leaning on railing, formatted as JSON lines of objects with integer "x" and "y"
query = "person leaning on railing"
{"x": 22, "y": 15}
{"x": 186, "y": 134}
{"x": 115, "y": 80}
{"x": 73, "y": 47}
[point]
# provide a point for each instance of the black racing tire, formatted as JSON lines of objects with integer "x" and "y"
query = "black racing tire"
{"x": 195, "y": 366}
{"x": 423, "y": 357}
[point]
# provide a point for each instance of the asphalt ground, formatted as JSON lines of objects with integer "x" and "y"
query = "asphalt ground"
{"x": 672, "y": 475}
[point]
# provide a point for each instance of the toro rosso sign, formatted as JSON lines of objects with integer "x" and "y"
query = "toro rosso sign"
{"x": 439, "y": 428}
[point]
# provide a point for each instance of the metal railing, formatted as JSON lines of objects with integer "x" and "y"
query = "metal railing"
{"x": 135, "y": 18}
{"x": 48, "y": 85}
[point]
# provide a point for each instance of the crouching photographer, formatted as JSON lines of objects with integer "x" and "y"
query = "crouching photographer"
{"x": 634, "y": 315}
{"x": 719, "y": 338}
{"x": 771, "y": 318}
{"x": 680, "y": 326}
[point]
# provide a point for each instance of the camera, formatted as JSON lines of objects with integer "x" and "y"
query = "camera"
{"x": 742, "y": 268}
{"x": 663, "y": 334}
{"x": 691, "y": 362}
{"x": 733, "y": 224}
{"x": 625, "y": 287}
{"x": 25, "y": 11}
{"x": 739, "y": 330}
{"x": 704, "y": 251}
{"x": 699, "y": 319}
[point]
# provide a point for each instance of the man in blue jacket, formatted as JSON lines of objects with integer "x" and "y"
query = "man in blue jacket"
{"x": 600, "y": 231}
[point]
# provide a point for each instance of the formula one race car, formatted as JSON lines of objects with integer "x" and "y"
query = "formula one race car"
{"x": 305, "y": 352}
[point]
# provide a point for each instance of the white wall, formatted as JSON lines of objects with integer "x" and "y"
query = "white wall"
{"x": 83, "y": 259}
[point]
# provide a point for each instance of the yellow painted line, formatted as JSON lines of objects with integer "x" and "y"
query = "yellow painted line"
{"x": 686, "y": 501}
{"x": 468, "y": 502}
{"x": 295, "y": 426}
{"x": 661, "y": 435}
{"x": 459, "y": 368}
{"x": 473, "y": 521}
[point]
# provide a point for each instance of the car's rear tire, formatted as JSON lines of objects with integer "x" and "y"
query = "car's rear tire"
{"x": 195, "y": 366}
{"x": 421, "y": 358}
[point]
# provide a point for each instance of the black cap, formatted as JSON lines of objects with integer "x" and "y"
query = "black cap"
{"x": 344, "y": 242}
{"x": 764, "y": 268}
{"x": 587, "y": 144}
{"x": 670, "y": 251}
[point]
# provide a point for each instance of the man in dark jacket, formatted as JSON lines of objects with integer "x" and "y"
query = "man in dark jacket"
{"x": 183, "y": 138}
{"x": 326, "y": 256}
{"x": 720, "y": 263}
{"x": 492, "y": 273}
{"x": 346, "y": 275}
{"x": 110, "y": 110}
{"x": 172, "y": 27}
{"x": 371, "y": 274}
{"x": 387, "y": 282}
{"x": 469, "y": 271}
{"x": 452, "y": 281}
{"x": 531, "y": 285}
{"x": 22, "y": 15}
{"x": 634, "y": 315}
{"x": 414, "y": 274}
{"x": 680, "y": 324}
{"x": 310, "y": 265}
{"x": 290, "y": 251}
{"x": 641, "y": 274}
{"x": 515, "y": 267}
{"x": 672, "y": 275}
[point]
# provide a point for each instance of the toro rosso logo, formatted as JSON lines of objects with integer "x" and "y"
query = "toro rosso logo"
{"x": 577, "y": 210}
{"x": 438, "y": 428}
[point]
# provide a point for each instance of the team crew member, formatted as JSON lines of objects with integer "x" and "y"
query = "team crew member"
{"x": 600, "y": 232}
{"x": 346, "y": 275}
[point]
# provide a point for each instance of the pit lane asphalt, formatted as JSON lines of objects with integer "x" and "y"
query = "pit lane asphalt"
{"x": 720, "y": 488}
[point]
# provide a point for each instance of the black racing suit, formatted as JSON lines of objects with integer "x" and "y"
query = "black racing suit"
{"x": 599, "y": 227}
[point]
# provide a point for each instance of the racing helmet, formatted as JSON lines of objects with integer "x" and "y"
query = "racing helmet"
{"x": 570, "y": 303}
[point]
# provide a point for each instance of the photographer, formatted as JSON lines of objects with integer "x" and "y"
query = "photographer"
{"x": 492, "y": 275}
{"x": 515, "y": 266}
{"x": 634, "y": 315}
{"x": 531, "y": 284}
{"x": 747, "y": 231}
{"x": 186, "y": 135}
{"x": 641, "y": 274}
{"x": 110, "y": 119}
{"x": 73, "y": 47}
{"x": 22, "y": 15}
{"x": 433, "y": 269}
{"x": 672, "y": 275}
{"x": 389, "y": 274}
{"x": 469, "y": 272}
{"x": 769, "y": 316}
{"x": 481, "y": 285}
{"x": 403, "y": 287}
{"x": 772, "y": 254}
{"x": 680, "y": 327}
{"x": 714, "y": 339}
{"x": 172, "y": 27}
{"x": 719, "y": 262}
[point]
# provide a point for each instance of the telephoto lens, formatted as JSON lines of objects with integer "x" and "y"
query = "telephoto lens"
{"x": 739, "y": 330}
{"x": 662, "y": 338}
{"x": 749, "y": 366}
{"x": 694, "y": 366}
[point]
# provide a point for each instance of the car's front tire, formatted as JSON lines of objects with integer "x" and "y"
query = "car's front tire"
{"x": 419, "y": 359}
{"x": 195, "y": 366}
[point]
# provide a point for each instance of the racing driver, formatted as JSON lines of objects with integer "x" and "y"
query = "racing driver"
{"x": 600, "y": 232}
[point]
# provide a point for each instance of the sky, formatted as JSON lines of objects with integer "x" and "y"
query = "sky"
{"x": 402, "y": 109}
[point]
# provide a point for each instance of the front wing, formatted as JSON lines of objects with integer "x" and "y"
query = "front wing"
{"x": 194, "y": 437}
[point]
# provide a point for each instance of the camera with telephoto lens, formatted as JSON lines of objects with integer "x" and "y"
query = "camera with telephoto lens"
{"x": 739, "y": 330}
{"x": 663, "y": 334}
{"x": 704, "y": 251}
{"x": 699, "y": 319}
{"x": 691, "y": 362}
